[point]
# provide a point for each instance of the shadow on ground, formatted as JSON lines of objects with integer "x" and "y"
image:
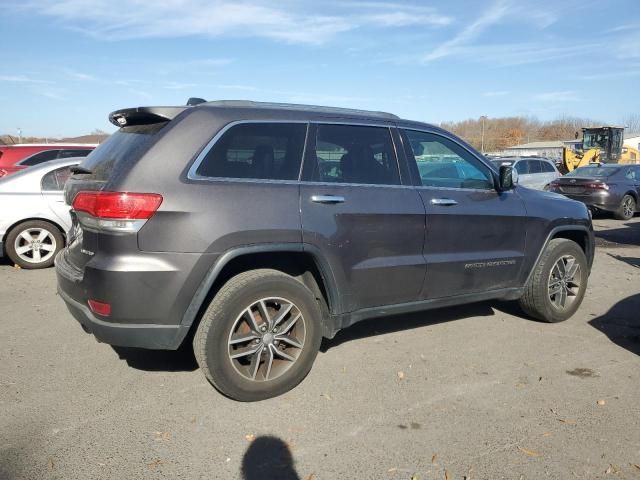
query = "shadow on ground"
{"x": 622, "y": 323}
{"x": 627, "y": 235}
{"x": 397, "y": 323}
{"x": 633, "y": 261}
{"x": 181, "y": 360}
{"x": 268, "y": 458}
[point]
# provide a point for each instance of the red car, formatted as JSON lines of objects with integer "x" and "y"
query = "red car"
{"x": 14, "y": 158}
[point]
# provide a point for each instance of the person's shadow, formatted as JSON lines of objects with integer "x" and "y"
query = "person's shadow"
{"x": 268, "y": 458}
{"x": 622, "y": 323}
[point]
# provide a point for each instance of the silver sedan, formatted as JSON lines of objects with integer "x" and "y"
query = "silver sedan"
{"x": 33, "y": 214}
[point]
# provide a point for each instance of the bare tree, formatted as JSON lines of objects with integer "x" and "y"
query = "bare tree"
{"x": 631, "y": 123}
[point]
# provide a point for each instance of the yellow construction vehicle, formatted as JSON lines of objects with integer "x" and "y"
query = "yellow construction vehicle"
{"x": 599, "y": 145}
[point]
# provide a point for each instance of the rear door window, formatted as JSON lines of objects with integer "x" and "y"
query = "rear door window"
{"x": 40, "y": 157}
{"x": 355, "y": 154}
{"x": 256, "y": 151}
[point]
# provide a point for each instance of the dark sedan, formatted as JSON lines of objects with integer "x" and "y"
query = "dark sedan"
{"x": 611, "y": 188}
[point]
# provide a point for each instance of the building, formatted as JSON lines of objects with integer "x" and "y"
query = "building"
{"x": 632, "y": 140}
{"x": 551, "y": 149}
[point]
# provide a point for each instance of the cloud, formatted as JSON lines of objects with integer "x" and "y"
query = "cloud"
{"x": 293, "y": 22}
{"x": 561, "y": 96}
{"x": 500, "y": 93}
{"x": 22, "y": 79}
{"x": 493, "y": 15}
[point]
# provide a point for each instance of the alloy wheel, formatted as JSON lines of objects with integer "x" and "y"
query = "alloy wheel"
{"x": 267, "y": 339}
{"x": 564, "y": 282}
{"x": 35, "y": 245}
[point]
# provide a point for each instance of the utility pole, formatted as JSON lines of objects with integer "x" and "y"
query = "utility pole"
{"x": 19, "y": 135}
{"x": 483, "y": 118}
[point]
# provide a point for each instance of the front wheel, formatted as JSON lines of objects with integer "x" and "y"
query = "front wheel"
{"x": 557, "y": 285}
{"x": 259, "y": 336}
{"x": 627, "y": 208}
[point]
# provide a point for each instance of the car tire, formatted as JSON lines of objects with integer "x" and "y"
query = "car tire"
{"x": 234, "y": 325}
{"x": 34, "y": 244}
{"x": 557, "y": 285}
{"x": 627, "y": 208}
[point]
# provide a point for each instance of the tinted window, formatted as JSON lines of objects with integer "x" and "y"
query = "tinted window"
{"x": 522, "y": 167}
{"x": 56, "y": 179}
{"x": 74, "y": 153}
{"x": 355, "y": 154}
{"x": 40, "y": 157}
{"x": 442, "y": 163}
{"x": 630, "y": 174}
{"x": 257, "y": 150}
{"x": 534, "y": 166}
{"x": 593, "y": 172}
{"x": 547, "y": 167}
{"x": 126, "y": 146}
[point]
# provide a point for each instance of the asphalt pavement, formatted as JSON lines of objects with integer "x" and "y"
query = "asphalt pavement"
{"x": 475, "y": 392}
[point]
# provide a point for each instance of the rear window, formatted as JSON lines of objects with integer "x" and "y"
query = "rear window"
{"x": 80, "y": 152}
{"x": 125, "y": 147}
{"x": 593, "y": 172}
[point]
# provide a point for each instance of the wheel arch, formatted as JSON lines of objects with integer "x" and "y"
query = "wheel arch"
{"x": 579, "y": 234}
{"x": 293, "y": 259}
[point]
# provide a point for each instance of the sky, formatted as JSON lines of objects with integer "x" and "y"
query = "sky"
{"x": 66, "y": 64}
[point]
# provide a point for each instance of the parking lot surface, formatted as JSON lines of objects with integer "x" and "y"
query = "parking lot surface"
{"x": 476, "y": 391}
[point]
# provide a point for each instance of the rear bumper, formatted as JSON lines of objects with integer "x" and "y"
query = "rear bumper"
{"x": 601, "y": 200}
{"x": 147, "y": 304}
{"x": 155, "y": 337}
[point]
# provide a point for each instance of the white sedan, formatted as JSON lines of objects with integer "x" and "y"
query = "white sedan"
{"x": 34, "y": 217}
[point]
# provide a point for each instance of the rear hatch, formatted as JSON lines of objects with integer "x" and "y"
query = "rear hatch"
{"x": 103, "y": 169}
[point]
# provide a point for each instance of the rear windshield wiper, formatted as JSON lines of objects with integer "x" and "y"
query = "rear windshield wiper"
{"x": 80, "y": 169}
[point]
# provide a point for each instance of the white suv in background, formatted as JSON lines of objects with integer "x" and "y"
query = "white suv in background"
{"x": 533, "y": 172}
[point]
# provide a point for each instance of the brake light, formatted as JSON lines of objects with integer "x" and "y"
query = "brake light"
{"x": 597, "y": 186}
{"x": 100, "y": 308}
{"x": 133, "y": 206}
{"x": 115, "y": 211}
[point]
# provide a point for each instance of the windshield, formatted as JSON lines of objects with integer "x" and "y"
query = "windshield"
{"x": 595, "y": 140}
{"x": 593, "y": 172}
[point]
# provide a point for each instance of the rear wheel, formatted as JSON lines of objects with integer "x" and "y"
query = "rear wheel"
{"x": 34, "y": 244}
{"x": 557, "y": 286}
{"x": 627, "y": 208}
{"x": 259, "y": 336}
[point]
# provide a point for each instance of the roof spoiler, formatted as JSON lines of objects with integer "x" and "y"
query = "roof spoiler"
{"x": 149, "y": 115}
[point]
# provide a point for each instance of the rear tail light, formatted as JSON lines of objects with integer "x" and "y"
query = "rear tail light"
{"x": 597, "y": 186}
{"x": 115, "y": 211}
{"x": 3, "y": 172}
{"x": 100, "y": 308}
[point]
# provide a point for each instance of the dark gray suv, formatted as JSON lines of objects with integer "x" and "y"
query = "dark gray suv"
{"x": 258, "y": 229}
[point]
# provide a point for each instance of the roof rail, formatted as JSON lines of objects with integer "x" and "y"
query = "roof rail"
{"x": 300, "y": 107}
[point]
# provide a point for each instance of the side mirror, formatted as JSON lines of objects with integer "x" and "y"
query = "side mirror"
{"x": 507, "y": 178}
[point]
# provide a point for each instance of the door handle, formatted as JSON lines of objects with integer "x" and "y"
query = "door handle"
{"x": 327, "y": 199}
{"x": 444, "y": 202}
